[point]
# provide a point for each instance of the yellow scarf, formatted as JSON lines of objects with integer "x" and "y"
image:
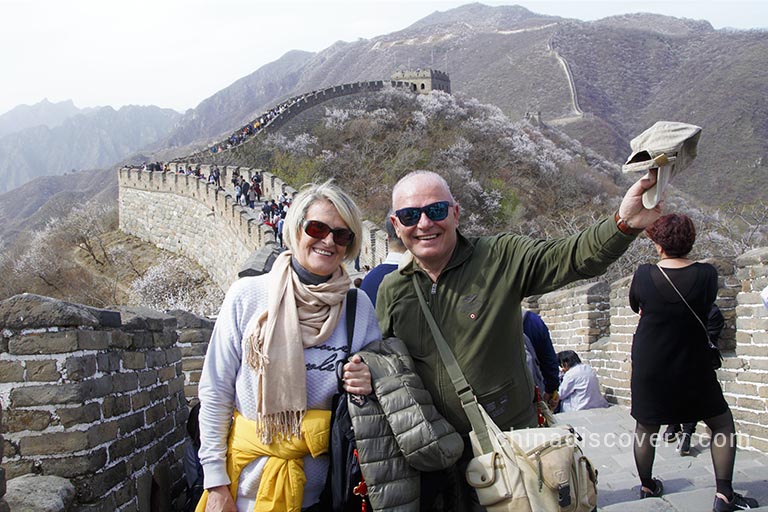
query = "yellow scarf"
{"x": 282, "y": 482}
{"x": 298, "y": 316}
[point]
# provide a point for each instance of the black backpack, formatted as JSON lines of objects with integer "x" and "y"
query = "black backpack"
{"x": 345, "y": 489}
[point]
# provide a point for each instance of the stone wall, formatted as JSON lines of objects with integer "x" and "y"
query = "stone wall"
{"x": 188, "y": 216}
{"x": 96, "y": 397}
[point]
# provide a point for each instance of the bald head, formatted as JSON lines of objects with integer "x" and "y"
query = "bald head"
{"x": 420, "y": 180}
{"x": 430, "y": 234}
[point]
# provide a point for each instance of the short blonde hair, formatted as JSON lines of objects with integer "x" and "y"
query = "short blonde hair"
{"x": 344, "y": 204}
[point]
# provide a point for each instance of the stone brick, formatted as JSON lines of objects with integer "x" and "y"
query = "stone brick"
{"x": 197, "y": 349}
{"x": 76, "y": 465}
{"x": 134, "y": 360}
{"x": 156, "y": 358}
{"x": 195, "y": 336}
{"x": 53, "y": 443}
{"x": 102, "y": 433}
{"x": 173, "y": 355}
{"x": 80, "y": 367}
{"x": 141, "y": 341}
{"x": 145, "y": 436}
{"x": 48, "y": 395}
{"x": 125, "y": 498}
{"x": 125, "y": 382}
{"x": 79, "y": 415}
{"x": 154, "y": 413}
{"x": 11, "y": 371}
{"x": 131, "y": 423}
{"x": 176, "y": 385}
{"x": 95, "y": 487}
{"x": 93, "y": 340}
{"x": 159, "y": 393}
{"x": 193, "y": 364}
{"x": 121, "y": 448}
{"x": 167, "y": 373}
{"x": 42, "y": 371}
{"x": 43, "y": 343}
{"x": 147, "y": 378}
{"x": 108, "y": 362}
{"x": 143, "y": 319}
{"x": 19, "y": 420}
{"x": 121, "y": 339}
{"x": 140, "y": 400}
{"x": 116, "y": 405}
{"x": 190, "y": 390}
{"x": 17, "y": 468}
{"x": 751, "y": 403}
{"x": 29, "y": 311}
{"x": 740, "y": 388}
{"x": 165, "y": 339}
{"x": 99, "y": 387}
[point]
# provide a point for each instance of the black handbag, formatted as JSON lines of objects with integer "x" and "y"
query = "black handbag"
{"x": 345, "y": 488}
{"x": 715, "y": 357}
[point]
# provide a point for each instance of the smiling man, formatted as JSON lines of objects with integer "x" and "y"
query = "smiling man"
{"x": 474, "y": 287}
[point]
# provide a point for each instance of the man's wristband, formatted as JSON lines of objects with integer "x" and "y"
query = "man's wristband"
{"x": 624, "y": 227}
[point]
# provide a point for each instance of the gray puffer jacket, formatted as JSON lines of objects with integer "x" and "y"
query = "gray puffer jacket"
{"x": 398, "y": 430}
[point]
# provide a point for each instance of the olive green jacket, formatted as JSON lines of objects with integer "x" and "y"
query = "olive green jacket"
{"x": 476, "y": 302}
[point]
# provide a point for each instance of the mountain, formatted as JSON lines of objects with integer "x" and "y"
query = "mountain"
{"x": 628, "y": 72}
{"x": 44, "y": 113}
{"x": 29, "y": 207}
{"x": 85, "y": 141}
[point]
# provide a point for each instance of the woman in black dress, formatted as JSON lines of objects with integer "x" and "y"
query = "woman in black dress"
{"x": 672, "y": 377}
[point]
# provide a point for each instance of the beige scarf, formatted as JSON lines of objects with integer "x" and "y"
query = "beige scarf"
{"x": 298, "y": 316}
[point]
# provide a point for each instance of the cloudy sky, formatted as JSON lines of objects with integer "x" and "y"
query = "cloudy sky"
{"x": 176, "y": 53}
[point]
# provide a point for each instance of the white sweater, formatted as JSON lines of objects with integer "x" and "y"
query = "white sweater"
{"x": 229, "y": 383}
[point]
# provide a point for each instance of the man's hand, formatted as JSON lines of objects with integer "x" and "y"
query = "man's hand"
{"x": 632, "y": 209}
{"x": 220, "y": 500}
{"x": 357, "y": 377}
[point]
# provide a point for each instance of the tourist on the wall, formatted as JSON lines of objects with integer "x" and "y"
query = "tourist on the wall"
{"x": 579, "y": 388}
{"x": 395, "y": 250}
{"x": 672, "y": 376}
{"x": 475, "y": 287}
{"x": 269, "y": 376}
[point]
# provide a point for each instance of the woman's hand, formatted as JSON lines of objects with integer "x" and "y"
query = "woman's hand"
{"x": 220, "y": 500}
{"x": 357, "y": 377}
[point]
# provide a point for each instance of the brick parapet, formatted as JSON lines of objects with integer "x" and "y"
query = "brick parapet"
{"x": 100, "y": 405}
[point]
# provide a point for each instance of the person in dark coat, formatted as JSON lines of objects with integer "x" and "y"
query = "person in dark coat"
{"x": 672, "y": 376}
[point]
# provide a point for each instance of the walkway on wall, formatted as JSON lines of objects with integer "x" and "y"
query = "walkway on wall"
{"x": 689, "y": 483}
{"x": 277, "y": 116}
{"x": 577, "y": 114}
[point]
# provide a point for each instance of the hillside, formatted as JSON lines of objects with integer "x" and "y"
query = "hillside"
{"x": 629, "y": 71}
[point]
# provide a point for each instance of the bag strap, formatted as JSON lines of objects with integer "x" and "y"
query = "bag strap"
{"x": 706, "y": 332}
{"x": 351, "y": 313}
{"x": 463, "y": 389}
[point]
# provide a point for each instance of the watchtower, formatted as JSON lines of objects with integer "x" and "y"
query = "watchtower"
{"x": 424, "y": 81}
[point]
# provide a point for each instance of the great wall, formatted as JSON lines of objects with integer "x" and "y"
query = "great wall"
{"x": 98, "y": 398}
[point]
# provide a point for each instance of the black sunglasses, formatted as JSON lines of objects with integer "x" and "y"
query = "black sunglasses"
{"x": 317, "y": 229}
{"x": 435, "y": 211}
